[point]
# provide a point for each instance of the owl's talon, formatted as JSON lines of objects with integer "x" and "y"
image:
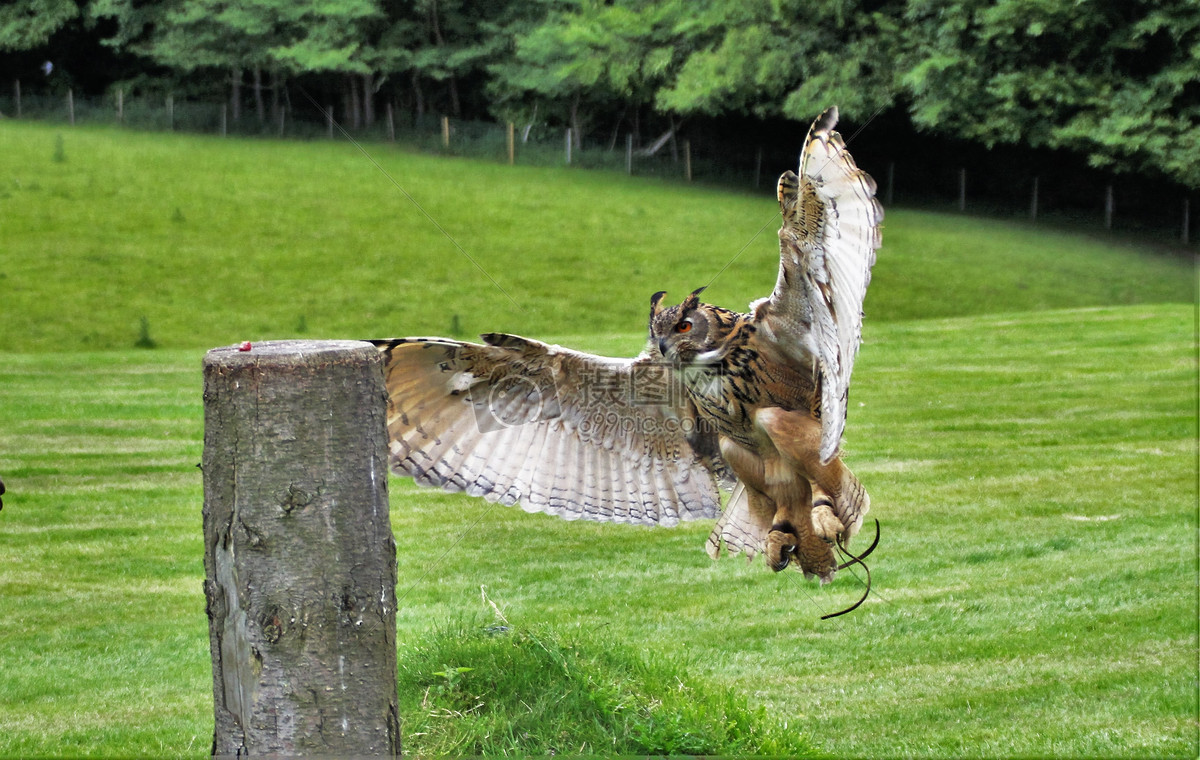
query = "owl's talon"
{"x": 825, "y": 523}
{"x": 780, "y": 548}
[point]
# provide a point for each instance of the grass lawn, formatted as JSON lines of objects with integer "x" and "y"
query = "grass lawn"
{"x": 1023, "y": 413}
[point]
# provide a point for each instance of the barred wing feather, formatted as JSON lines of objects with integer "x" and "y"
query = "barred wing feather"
{"x": 827, "y": 244}
{"x": 558, "y": 431}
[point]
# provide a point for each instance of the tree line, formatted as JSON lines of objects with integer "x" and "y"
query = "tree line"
{"x": 1115, "y": 81}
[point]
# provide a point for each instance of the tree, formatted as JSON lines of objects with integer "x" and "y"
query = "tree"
{"x": 1116, "y": 81}
{"x": 587, "y": 57}
{"x": 332, "y": 36}
{"x": 786, "y": 58}
{"x": 27, "y": 24}
{"x": 312, "y": 36}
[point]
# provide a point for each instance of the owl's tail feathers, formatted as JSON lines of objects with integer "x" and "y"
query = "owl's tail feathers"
{"x": 852, "y": 504}
{"x": 737, "y": 529}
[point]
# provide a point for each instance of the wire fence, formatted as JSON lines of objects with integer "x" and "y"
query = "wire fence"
{"x": 1020, "y": 185}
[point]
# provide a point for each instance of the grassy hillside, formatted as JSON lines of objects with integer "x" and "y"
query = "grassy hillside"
{"x": 1023, "y": 414}
{"x": 1034, "y": 475}
{"x": 215, "y": 241}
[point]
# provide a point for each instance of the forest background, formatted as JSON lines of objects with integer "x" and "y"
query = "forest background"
{"x": 1064, "y": 99}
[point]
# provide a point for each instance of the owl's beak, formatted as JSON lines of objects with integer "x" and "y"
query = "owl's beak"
{"x": 662, "y": 346}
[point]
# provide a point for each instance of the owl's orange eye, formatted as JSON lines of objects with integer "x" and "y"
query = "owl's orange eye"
{"x": 683, "y": 326}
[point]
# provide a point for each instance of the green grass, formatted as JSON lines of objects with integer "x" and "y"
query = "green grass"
{"x": 217, "y": 241}
{"x": 1030, "y": 451}
{"x": 530, "y": 692}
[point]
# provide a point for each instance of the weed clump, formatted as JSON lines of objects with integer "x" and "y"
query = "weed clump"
{"x": 144, "y": 340}
{"x": 502, "y": 690}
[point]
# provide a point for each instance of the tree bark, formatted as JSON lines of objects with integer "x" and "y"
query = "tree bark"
{"x": 418, "y": 95}
{"x": 455, "y": 103}
{"x": 368, "y": 102}
{"x": 300, "y": 564}
{"x": 656, "y": 146}
{"x": 353, "y": 105}
{"x": 576, "y": 130}
{"x": 276, "y": 106}
{"x": 235, "y": 93}
{"x": 260, "y": 107}
{"x": 435, "y": 27}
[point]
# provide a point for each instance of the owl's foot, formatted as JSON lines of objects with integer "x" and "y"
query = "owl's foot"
{"x": 825, "y": 523}
{"x": 826, "y": 578}
{"x": 816, "y": 558}
{"x": 781, "y": 546}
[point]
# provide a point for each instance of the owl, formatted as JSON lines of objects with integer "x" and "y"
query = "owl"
{"x": 753, "y": 402}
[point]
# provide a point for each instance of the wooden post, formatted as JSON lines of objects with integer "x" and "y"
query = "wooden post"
{"x": 171, "y": 112}
{"x": 687, "y": 159}
{"x": 300, "y": 564}
{"x": 512, "y": 148}
{"x": 962, "y": 189}
{"x": 282, "y": 119}
{"x": 120, "y": 106}
{"x": 891, "y": 183}
{"x": 71, "y": 106}
{"x": 1186, "y": 221}
{"x": 1108, "y": 206}
{"x": 224, "y": 119}
{"x": 1033, "y": 201}
{"x": 445, "y": 131}
{"x": 391, "y": 123}
{"x": 629, "y": 153}
{"x": 329, "y": 120}
{"x": 17, "y": 96}
{"x": 568, "y": 146}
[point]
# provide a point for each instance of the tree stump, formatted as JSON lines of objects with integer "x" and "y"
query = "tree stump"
{"x": 300, "y": 563}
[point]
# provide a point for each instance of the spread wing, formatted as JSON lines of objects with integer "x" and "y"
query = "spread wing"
{"x": 562, "y": 432}
{"x": 831, "y": 230}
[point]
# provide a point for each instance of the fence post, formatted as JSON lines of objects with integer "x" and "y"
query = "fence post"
{"x": 120, "y": 106}
{"x": 71, "y": 106}
{"x": 391, "y": 123}
{"x": 224, "y": 119}
{"x": 1108, "y": 206}
{"x": 568, "y": 146}
{"x": 1033, "y": 201}
{"x": 300, "y": 564}
{"x": 687, "y": 159}
{"x": 445, "y": 131}
{"x": 962, "y": 189}
{"x": 512, "y": 148}
{"x": 171, "y": 113}
{"x": 629, "y": 153}
{"x": 329, "y": 120}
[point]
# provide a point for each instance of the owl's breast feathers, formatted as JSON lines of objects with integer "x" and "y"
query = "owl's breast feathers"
{"x": 743, "y": 375}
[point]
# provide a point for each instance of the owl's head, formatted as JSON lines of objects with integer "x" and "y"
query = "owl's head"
{"x": 682, "y": 332}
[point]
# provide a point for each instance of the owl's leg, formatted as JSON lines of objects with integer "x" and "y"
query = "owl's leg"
{"x": 814, "y": 554}
{"x": 783, "y": 539}
{"x": 839, "y": 502}
{"x": 838, "y": 498}
{"x": 792, "y": 535}
{"x": 776, "y": 524}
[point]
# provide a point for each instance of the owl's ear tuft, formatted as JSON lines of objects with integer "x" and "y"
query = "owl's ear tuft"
{"x": 693, "y": 300}
{"x": 655, "y": 300}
